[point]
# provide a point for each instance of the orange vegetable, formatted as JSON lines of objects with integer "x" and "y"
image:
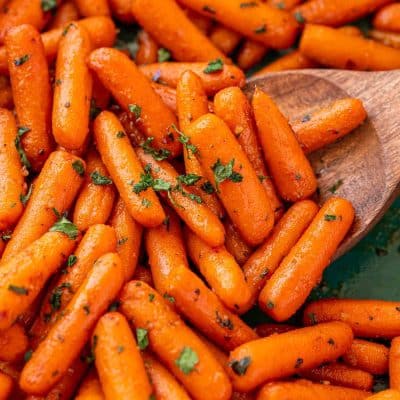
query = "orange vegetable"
{"x": 289, "y": 353}
{"x": 367, "y": 318}
{"x": 125, "y": 169}
{"x": 333, "y": 48}
{"x": 389, "y": 394}
{"x": 65, "y": 13}
{"x": 96, "y": 198}
{"x": 122, "y": 10}
{"x": 289, "y": 167}
{"x": 148, "y": 48}
{"x": 250, "y": 54}
{"x": 234, "y": 243}
{"x": 284, "y": 4}
{"x": 351, "y": 30}
{"x": 301, "y": 269}
{"x": 6, "y": 385}
{"x": 174, "y": 343}
{"x": 143, "y": 274}
{"x": 100, "y": 287}
{"x": 90, "y": 388}
{"x": 170, "y": 73}
{"x": 118, "y": 361}
{"x": 387, "y": 38}
{"x": 225, "y": 39}
{"x": 172, "y": 29}
{"x": 100, "y": 97}
{"x": 93, "y": 8}
{"x": 388, "y": 18}
{"x": 268, "y": 329}
{"x": 6, "y": 97}
{"x": 394, "y": 359}
{"x": 202, "y": 22}
{"x": 13, "y": 343}
{"x": 167, "y": 94}
{"x": 29, "y": 75}
{"x": 134, "y": 93}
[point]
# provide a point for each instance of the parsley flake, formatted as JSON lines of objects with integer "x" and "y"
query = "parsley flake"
{"x": 22, "y": 60}
{"x": 223, "y": 172}
{"x": 207, "y": 187}
{"x": 48, "y": 5}
{"x": 249, "y": 4}
{"x": 142, "y": 338}
{"x": 299, "y": 17}
{"x": 209, "y": 9}
{"x": 77, "y": 165}
{"x": 22, "y": 155}
{"x": 261, "y": 29}
{"x": 239, "y": 367}
{"x": 214, "y": 66}
{"x": 25, "y": 197}
{"x": 99, "y": 179}
{"x": 185, "y": 140}
{"x": 158, "y": 155}
{"x": 336, "y": 186}
{"x": 187, "y": 360}
{"x": 188, "y": 179}
{"x": 135, "y": 109}
{"x": 72, "y": 259}
{"x": 168, "y": 297}
{"x": 65, "y": 226}
{"x": 120, "y": 134}
{"x": 163, "y": 55}
{"x": 28, "y": 355}
{"x": 330, "y": 217}
{"x": 20, "y": 290}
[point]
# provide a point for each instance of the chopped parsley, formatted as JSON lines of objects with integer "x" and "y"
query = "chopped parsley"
{"x": 239, "y": 367}
{"x": 214, "y": 66}
{"x": 151, "y": 297}
{"x": 28, "y": 355}
{"x": 22, "y": 60}
{"x": 188, "y": 179}
{"x": 169, "y": 298}
{"x": 299, "y": 17}
{"x": 48, "y": 5}
{"x": 142, "y": 338}
{"x": 22, "y": 155}
{"x": 330, "y": 217}
{"x": 25, "y": 197}
{"x": 261, "y": 29}
{"x": 56, "y": 294}
{"x": 306, "y": 118}
{"x": 187, "y": 360}
{"x": 99, "y": 179}
{"x": 86, "y": 308}
{"x": 72, "y": 259}
{"x": 65, "y": 226}
{"x": 223, "y": 172}
{"x": 335, "y": 186}
{"x": 94, "y": 110}
{"x": 20, "y": 290}
{"x": 223, "y": 322}
{"x": 185, "y": 140}
{"x": 146, "y": 203}
{"x": 163, "y": 55}
{"x": 313, "y": 318}
{"x": 135, "y": 109}
{"x": 299, "y": 363}
{"x": 270, "y": 305}
{"x": 207, "y": 187}
{"x": 209, "y": 9}
{"x": 77, "y": 165}
{"x": 158, "y": 155}
{"x": 248, "y": 4}
{"x": 120, "y": 134}
{"x": 122, "y": 241}
{"x": 120, "y": 349}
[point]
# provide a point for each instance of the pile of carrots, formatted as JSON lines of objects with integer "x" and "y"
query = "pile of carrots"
{"x": 147, "y": 203}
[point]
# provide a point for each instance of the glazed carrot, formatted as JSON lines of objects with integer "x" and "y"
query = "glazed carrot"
{"x": 55, "y": 188}
{"x": 289, "y": 167}
{"x": 259, "y": 22}
{"x": 23, "y": 276}
{"x": 250, "y": 54}
{"x": 172, "y": 29}
{"x": 13, "y": 343}
{"x": 93, "y": 8}
{"x": 98, "y": 240}
{"x": 285, "y": 4}
{"x": 305, "y": 390}
{"x": 170, "y": 73}
{"x": 143, "y": 274}
{"x": 12, "y": 182}
{"x": 387, "y": 38}
{"x": 268, "y": 329}
{"x": 340, "y": 375}
{"x": 65, "y": 13}
{"x": 122, "y": 10}
{"x": 345, "y": 51}
{"x": 118, "y": 361}
{"x": 326, "y": 125}
{"x": 388, "y": 394}
{"x": 125, "y": 170}
{"x": 90, "y": 388}
{"x": 335, "y": 12}
{"x": 167, "y": 94}
{"x": 351, "y": 30}
{"x": 233, "y": 107}
{"x": 95, "y": 201}
{"x": 6, "y": 385}
{"x": 198, "y": 217}
{"x": 289, "y": 353}
{"x": 237, "y": 184}
{"x": 100, "y": 97}
{"x": 368, "y": 356}
{"x": 394, "y": 359}
{"x": 265, "y": 260}
{"x": 225, "y": 39}
{"x": 134, "y": 93}
{"x": 302, "y": 268}
{"x": 388, "y": 18}
{"x": 174, "y": 343}
{"x": 367, "y": 318}
{"x": 202, "y": 22}
{"x": 234, "y": 243}
{"x": 148, "y": 48}
{"x": 100, "y": 287}
{"x": 73, "y": 89}
{"x": 6, "y": 97}
{"x": 164, "y": 384}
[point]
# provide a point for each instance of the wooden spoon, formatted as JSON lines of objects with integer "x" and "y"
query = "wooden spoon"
{"x": 367, "y": 160}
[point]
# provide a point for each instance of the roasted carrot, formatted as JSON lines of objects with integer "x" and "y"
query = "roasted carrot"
{"x": 225, "y": 39}
{"x": 233, "y": 176}
{"x": 202, "y": 22}
{"x": 346, "y": 51}
{"x": 93, "y": 8}
{"x": 98, "y": 240}
{"x": 69, "y": 334}
{"x": 326, "y": 125}
{"x": 289, "y": 353}
{"x": 170, "y": 27}
{"x": 90, "y": 388}
{"x": 13, "y": 343}
{"x": 268, "y": 329}
{"x": 351, "y": 30}
{"x": 250, "y": 54}
{"x": 148, "y": 49}
{"x": 388, "y": 18}
{"x": 118, "y": 361}
{"x": 125, "y": 170}
{"x": 134, "y": 93}
{"x": 96, "y": 198}
{"x": 54, "y": 189}
{"x": 233, "y": 107}
{"x": 265, "y": 260}
{"x": 305, "y": 390}
{"x": 387, "y": 38}
{"x": 66, "y": 12}
{"x": 23, "y": 276}
{"x": 223, "y": 76}
{"x": 6, "y": 385}
{"x": 284, "y": 4}
{"x": 176, "y": 189}
{"x": 367, "y": 318}
{"x": 167, "y": 94}
{"x": 257, "y": 21}
{"x": 302, "y": 268}
{"x": 6, "y": 97}
{"x": 29, "y": 75}
{"x": 174, "y": 343}
{"x": 122, "y": 10}
{"x": 388, "y": 394}
{"x": 234, "y": 243}
{"x": 289, "y": 167}
{"x": 143, "y": 274}
{"x": 12, "y": 183}
{"x": 394, "y": 360}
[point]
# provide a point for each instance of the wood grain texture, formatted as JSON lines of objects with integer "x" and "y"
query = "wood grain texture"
{"x": 367, "y": 160}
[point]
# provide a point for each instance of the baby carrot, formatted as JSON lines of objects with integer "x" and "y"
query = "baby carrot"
{"x": 96, "y": 198}
{"x": 65, "y": 13}
{"x": 69, "y": 334}
{"x": 387, "y": 38}
{"x": 25, "y": 274}
{"x": 118, "y": 361}
{"x": 289, "y": 167}
{"x": 148, "y": 49}
{"x": 250, "y": 54}
{"x": 388, "y": 394}
{"x": 368, "y": 356}
{"x": 265, "y": 260}
{"x": 98, "y": 240}
{"x": 29, "y": 75}
{"x": 289, "y": 353}
{"x": 143, "y": 274}
{"x": 100, "y": 97}
{"x": 337, "y": 49}
{"x": 215, "y": 75}
{"x": 6, "y": 385}
{"x": 90, "y": 388}
{"x": 233, "y": 107}
{"x": 202, "y": 22}
{"x": 133, "y": 92}
{"x": 174, "y": 343}
{"x": 257, "y": 21}
{"x": 54, "y": 189}
{"x": 388, "y": 18}
{"x": 12, "y": 181}
{"x": 176, "y": 188}
{"x": 6, "y": 97}
{"x": 225, "y": 39}
{"x": 167, "y": 94}
{"x": 394, "y": 364}
{"x": 125, "y": 170}
{"x": 164, "y": 384}
{"x": 302, "y": 268}
{"x": 122, "y": 10}
{"x": 171, "y": 28}
{"x": 305, "y": 390}
{"x": 234, "y": 243}
{"x": 93, "y": 8}
{"x": 73, "y": 89}
{"x": 230, "y": 171}
{"x": 326, "y": 125}
{"x": 268, "y": 329}
{"x": 13, "y": 343}
{"x": 367, "y": 318}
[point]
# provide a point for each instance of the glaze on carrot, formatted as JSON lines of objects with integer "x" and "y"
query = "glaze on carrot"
{"x": 225, "y": 39}
{"x": 6, "y": 97}
{"x": 6, "y": 385}
{"x": 235, "y": 244}
{"x": 388, "y": 394}
{"x": 394, "y": 359}
{"x": 387, "y": 38}
{"x": 90, "y": 388}
{"x": 148, "y": 49}
{"x": 388, "y": 18}
{"x": 92, "y": 8}
{"x": 250, "y": 54}
{"x": 268, "y": 329}
{"x": 65, "y": 13}
{"x": 122, "y": 10}
{"x": 13, "y": 343}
